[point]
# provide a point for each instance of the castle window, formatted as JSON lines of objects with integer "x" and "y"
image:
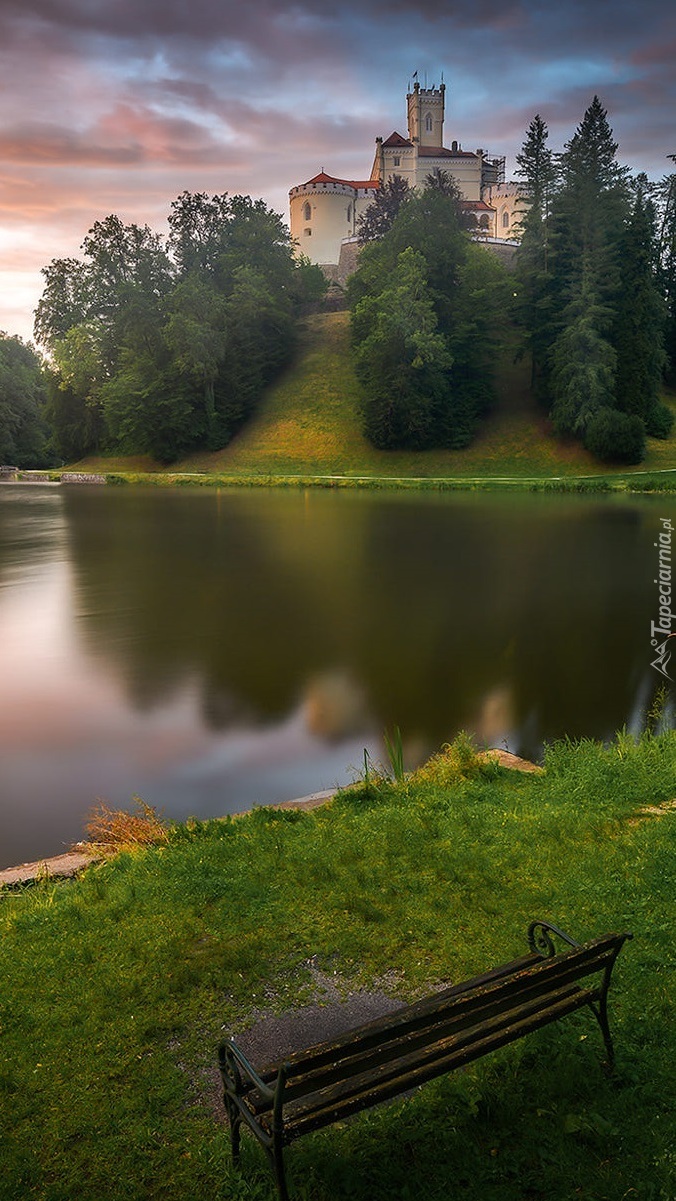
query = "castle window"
{"x": 349, "y": 212}
{"x": 307, "y": 211}
{"x": 308, "y": 233}
{"x": 397, "y": 160}
{"x": 505, "y": 220}
{"x": 428, "y": 122}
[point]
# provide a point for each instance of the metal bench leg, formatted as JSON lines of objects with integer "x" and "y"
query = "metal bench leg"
{"x": 601, "y": 1014}
{"x": 235, "y": 1122}
{"x": 277, "y": 1156}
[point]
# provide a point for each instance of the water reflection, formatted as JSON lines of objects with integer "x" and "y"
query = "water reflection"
{"x": 213, "y": 649}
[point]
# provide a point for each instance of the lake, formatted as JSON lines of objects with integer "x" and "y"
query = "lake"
{"x": 209, "y": 649}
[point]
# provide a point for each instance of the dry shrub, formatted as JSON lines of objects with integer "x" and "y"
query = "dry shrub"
{"x": 113, "y": 830}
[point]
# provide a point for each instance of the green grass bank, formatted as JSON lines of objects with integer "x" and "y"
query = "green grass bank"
{"x": 307, "y": 432}
{"x": 118, "y": 986}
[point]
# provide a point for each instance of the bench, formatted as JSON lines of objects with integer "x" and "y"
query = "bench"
{"x": 405, "y": 1048}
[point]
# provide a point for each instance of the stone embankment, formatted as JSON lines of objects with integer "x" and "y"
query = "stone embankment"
{"x": 15, "y": 475}
{"x": 58, "y": 867}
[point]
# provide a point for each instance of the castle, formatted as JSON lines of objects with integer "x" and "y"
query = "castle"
{"x": 325, "y": 210}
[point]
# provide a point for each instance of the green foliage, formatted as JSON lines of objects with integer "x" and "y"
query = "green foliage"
{"x": 537, "y": 173}
{"x": 424, "y": 310}
{"x": 381, "y": 213}
{"x": 589, "y": 292}
{"x": 638, "y": 332}
{"x": 666, "y": 198}
{"x": 659, "y": 421}
{"x": 162, "y": 349}
{"x": 401, "y": 358}
{"x": 615, "y": 437}
{"x": 23, "y": 425}
{"x": 583, "y": 365}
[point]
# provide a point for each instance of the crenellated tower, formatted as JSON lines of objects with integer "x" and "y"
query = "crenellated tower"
{"x": 426, "y": 115}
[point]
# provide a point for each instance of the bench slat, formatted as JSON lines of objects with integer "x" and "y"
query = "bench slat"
{"x": 324, "y": 1108}
{"x": 315, "y": 1055}
{"x": 407, "y": 1030}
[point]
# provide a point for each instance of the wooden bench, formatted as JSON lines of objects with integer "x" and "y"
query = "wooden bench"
{"x": 405, "y": 1048}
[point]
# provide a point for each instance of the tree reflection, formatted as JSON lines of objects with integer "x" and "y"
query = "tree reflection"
{"x": 523, "y": 617}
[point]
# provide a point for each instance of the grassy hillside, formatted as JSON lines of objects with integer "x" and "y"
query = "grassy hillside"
{"x": 309, "y": 424}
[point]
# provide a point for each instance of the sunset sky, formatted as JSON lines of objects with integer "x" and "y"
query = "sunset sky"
{"x": 120, "y": 106}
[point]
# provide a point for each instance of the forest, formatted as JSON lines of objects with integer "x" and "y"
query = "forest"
{"x": 165, "y": 345}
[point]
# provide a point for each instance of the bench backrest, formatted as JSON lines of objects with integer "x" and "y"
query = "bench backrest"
{"x": 527, "y": 987}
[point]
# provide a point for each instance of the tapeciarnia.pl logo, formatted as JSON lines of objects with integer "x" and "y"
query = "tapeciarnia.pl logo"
{"x": 660, "y": 630}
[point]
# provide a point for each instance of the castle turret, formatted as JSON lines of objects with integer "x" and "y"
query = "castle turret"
{"x": 324, "y": 211}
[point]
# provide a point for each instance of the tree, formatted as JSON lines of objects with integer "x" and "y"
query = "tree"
{"x": 380, "y": 215}
{"x": 231, "y": 314}
{"x": 94, "y": 313}
{"x": 74, "y": 405}
{"x": 401, "y": 358}
{"x": 589, "y": 210}
{"x": 162, "y": 355}
{"x": 150, "y": 408}
{"x": 448, "y": 292}
{"x": 638, "y": 330}
{"x": 537, "y": 173}
{"x": 583, "y": 364}
{"x": 23, "y": 428}
{"x": 667, "y": 269}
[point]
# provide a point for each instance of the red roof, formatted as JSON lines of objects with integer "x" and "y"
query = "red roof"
{"x": 348, "y": 183}
{"x": 478, "y": 206}
{"x": 395, "y": 139}
{"x": 442, "y": 152}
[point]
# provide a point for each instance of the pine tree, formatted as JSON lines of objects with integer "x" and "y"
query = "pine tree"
{"x": 639, "y": 323}
{"x": 537, "y": 172}
{"x": 667, "y": 270}
{"x": 583, "y": 363}
{"x": 591, "y": 205}
{"x": 589, "y": 213}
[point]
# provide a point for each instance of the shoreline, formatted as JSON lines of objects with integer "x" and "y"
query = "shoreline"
{"x": 71, "y": 863}
{"x": 641, "y": 482}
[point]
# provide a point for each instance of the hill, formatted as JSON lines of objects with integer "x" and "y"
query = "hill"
{"x": 309, "y": 424}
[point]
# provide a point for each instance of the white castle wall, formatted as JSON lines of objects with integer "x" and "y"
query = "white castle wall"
{"x": 504, "y": 197}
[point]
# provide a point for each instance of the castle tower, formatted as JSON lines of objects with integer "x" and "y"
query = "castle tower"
{"x": 426, "y": 115}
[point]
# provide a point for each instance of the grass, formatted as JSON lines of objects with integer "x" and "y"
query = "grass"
{"x": 308, "y": 426}
{"x": 118, "y": 986}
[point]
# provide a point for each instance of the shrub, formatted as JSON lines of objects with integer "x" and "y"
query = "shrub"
{"x": 659, "y": 421}
{"x": 615, "y": 437}
{"x": 113, "y": 830}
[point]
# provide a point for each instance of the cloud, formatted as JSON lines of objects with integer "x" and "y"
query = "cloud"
{"x": 119, "y": 107}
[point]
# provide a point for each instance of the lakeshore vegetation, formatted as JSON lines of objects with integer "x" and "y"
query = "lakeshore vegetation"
{"x": 117, "y": 986}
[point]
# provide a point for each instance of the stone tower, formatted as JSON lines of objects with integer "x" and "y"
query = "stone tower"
{"x": 426, "y": 115}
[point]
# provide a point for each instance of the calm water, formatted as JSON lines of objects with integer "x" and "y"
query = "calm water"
{"x": 209, "y": 650}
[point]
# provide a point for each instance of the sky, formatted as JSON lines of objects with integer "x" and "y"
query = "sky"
{"x": 118, "y": 106}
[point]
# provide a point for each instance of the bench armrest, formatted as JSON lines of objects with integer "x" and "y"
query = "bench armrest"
{"x": 539, "y": 939}
{"x": 231, "y": 1060}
